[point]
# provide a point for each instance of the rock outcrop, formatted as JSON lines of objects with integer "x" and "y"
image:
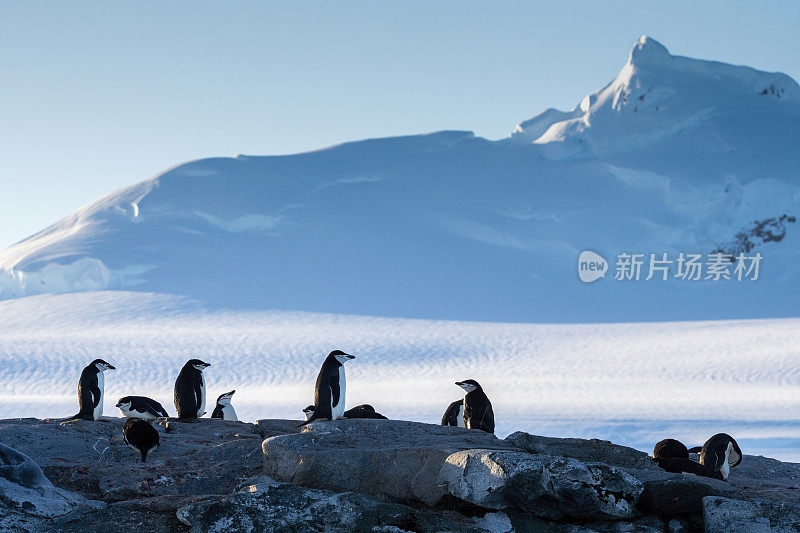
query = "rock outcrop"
{"x": 267, "y": 505}
{"x": 391, "y": 460}
{"x": 366, "y": 475}
{"x": 542, "y": 485}
{"x": 27, "y": 496}
{"x": 723, "y": 515}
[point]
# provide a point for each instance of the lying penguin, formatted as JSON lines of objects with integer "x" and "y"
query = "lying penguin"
{"x": 141, "y": 407}
{"x": 140, "y": 436}
{"x": 360, "y": 411}
{"x": 224, "y": 409}
{"x": 718, "y": 455}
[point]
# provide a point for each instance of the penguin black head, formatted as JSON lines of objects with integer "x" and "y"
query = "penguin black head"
{"x": 341, "y": 357}
{"x": 124, "y": 402}
{"x": 101, "y": 365}
{"x": 225, "y": 399}
{"x": 469, "y": 385}
{"x": 197, "y": 364}
{"x": 308, "y": 411}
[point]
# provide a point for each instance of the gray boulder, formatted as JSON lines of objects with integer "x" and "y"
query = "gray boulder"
{"x": 724, "y": 515}
{"x": 592, "y": 450}
{"x": 27, "y": 495}
{"x": 267, "y": 505}
{"x": 542, "y": 485}
{"x": 391, "y": 460}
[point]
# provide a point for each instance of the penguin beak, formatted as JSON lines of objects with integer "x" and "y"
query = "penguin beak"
{"x": 110, "y": 367}
{"x": 459, "y": 383}
{"x": 350, "y": 356}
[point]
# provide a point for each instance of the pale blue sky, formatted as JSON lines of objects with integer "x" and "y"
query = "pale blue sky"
{"x": 98, "y": 95}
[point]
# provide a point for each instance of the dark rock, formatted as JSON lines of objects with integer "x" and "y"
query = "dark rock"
{"x": 391, "y": 460}
{"x": 765, "y": 478}
{"x": 724, "y": 515}
{"x": 678, "y": 494}
{"x": 592, "y": 450}
{"x": 542, "y": 485}
{"x": 272, "y": 506}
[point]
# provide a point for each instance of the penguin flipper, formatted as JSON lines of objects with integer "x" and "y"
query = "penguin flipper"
{"x": 198, "y": 394}
{"x": 95, "y": 396}
{"x": 334, "y": 384}
{"x": 152, "y": 410}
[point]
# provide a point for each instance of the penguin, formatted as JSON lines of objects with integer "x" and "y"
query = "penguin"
{"x": 364, "y": 411}
{"x": 359, "y": 411}
{"x": 141, "y": 407}
{"x": 330, "y": 388}
{"x": 454, "y": 415}
{"x": 140, "y": 436}
{"x": 190, "y": 390}
{"x": 670, "y": 449}
{"x": 90, "y": 390}
{"x": 720, "y": 453}
{"x": 224, "y": 409}
{"x": 478, "y": 413}
{"x": 672, "y": 456}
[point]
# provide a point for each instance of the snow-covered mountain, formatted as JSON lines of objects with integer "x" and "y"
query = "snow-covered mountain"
{"x": 674, "y": 155}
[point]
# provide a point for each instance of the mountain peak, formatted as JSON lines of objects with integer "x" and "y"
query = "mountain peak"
{"x": 658, "y": 98}
{"x": 648, "y": 50}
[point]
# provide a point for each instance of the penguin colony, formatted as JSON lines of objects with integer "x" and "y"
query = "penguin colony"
{"x": 474, "y": 411}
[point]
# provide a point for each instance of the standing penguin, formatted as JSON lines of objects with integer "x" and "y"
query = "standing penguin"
{"x": 478, "y": 413}
{"x": 90, "y": 390}
{"x": 454, "y": 415}
{"x": 330, "y": 388}
{"x": 141, "y": 407}
{"x": 140, "y": 436}
{"x": 224, "y": 409}
{"x": 190, "y": 390}
{"x": 720, "y": 453}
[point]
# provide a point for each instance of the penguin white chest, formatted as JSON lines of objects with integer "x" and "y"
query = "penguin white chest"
{"x": 201, "y": 408}
{"x": 460, "y": 419}
{"x": 98, "y": 411}
{"x": 337, "y": 411}
{"x": 228, "y": 413}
